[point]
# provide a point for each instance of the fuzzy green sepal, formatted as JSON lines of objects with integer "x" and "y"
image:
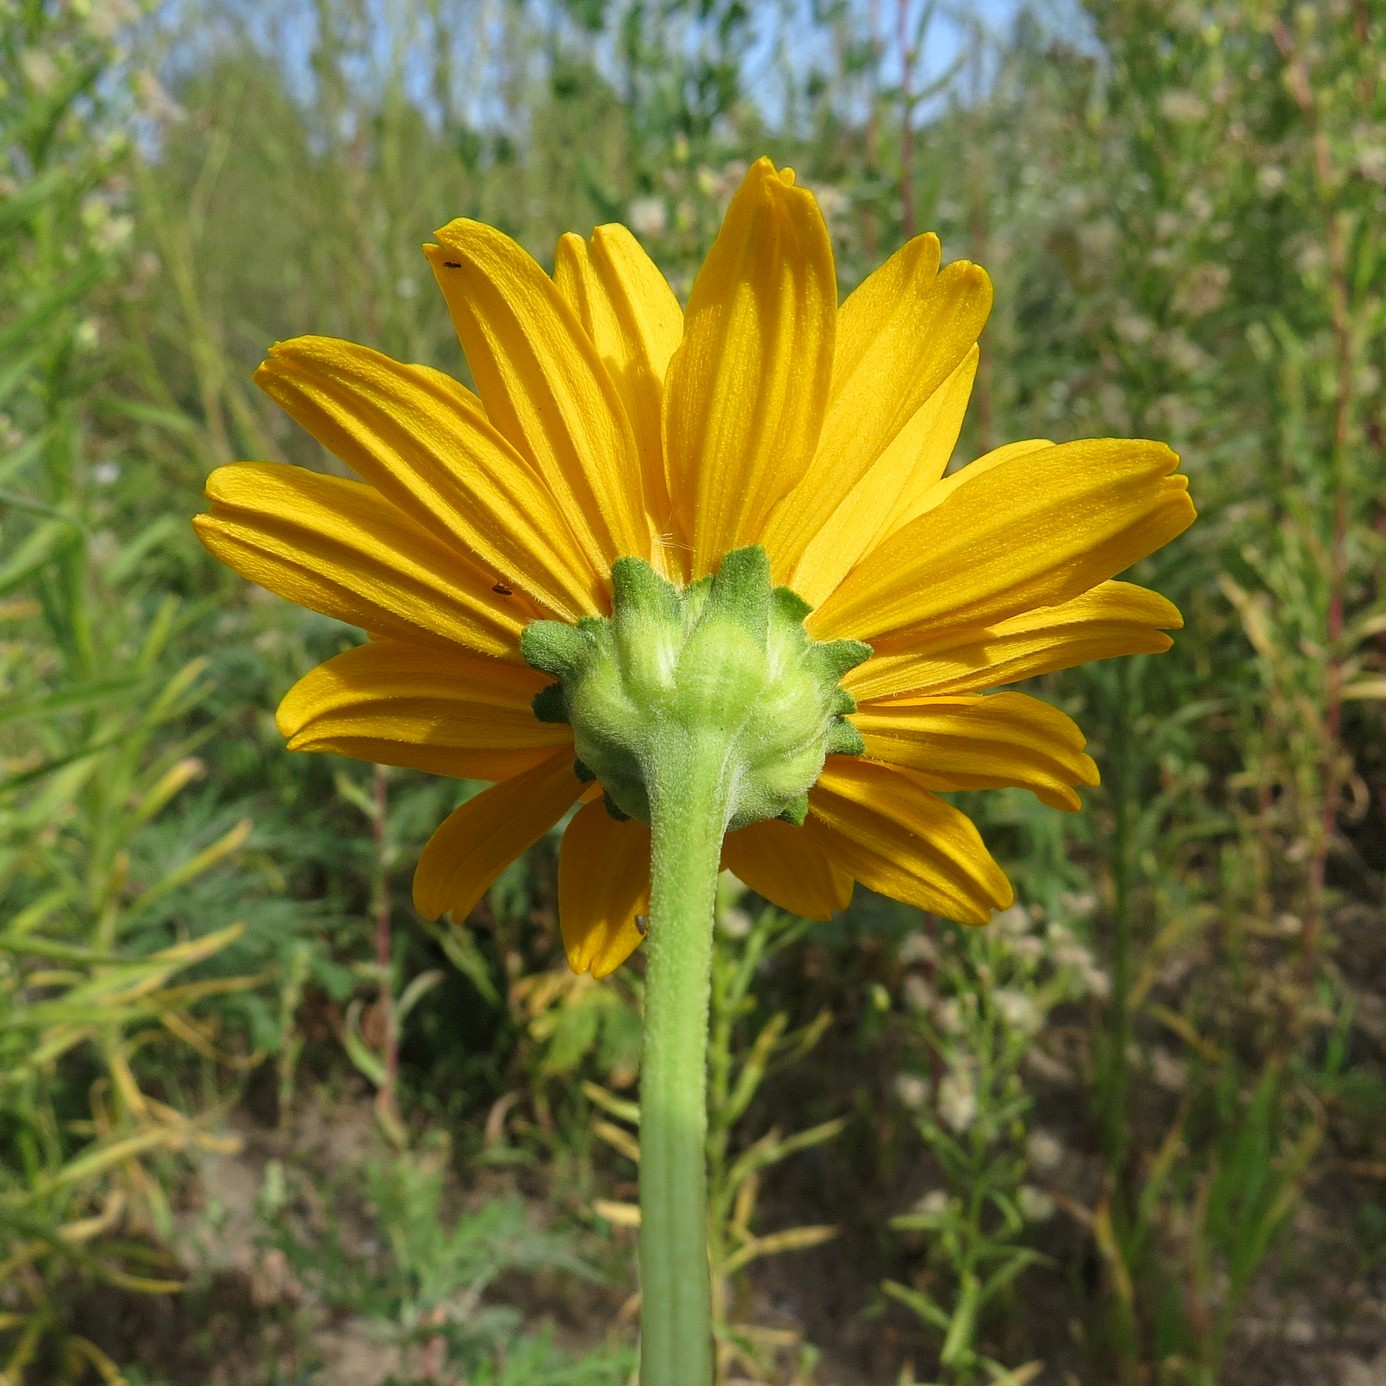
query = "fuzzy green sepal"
{"x": 844, "y": 739}
{"x": 722, "y": 669}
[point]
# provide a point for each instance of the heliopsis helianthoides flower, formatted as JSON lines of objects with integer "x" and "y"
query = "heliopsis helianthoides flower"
{"x": 656, "y": 537}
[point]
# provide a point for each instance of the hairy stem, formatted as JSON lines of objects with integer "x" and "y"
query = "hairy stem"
{"x": 688, "y": 807}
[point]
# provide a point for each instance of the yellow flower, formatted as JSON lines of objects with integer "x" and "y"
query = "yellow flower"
{"x": 608, "y": 423}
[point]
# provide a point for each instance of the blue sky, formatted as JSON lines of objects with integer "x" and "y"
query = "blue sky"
{"x": 289, "y": 30}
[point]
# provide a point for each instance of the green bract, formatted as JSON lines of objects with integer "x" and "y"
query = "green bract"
{"x": 724, "y": 666}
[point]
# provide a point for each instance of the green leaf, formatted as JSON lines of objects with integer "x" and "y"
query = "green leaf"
{"x": 41, "y": 315}
{"x": 920, "y": 1304}
{"x": 40, "y": 547}
{"x": 461, "y": 949}
{"x": 80, "y": 698}
{"x": 414, "y": 993}
{"x": 367, "y": 1061}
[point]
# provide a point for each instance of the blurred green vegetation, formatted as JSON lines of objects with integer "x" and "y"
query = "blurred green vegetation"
{"x": 259, "y": 1124}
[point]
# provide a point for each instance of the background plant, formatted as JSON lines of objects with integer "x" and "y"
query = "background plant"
{"x": 975, "y": 1003}
{"x": 99, "y": 975}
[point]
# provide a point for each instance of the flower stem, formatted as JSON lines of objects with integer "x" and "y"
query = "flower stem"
{"x": 688, "y": 813}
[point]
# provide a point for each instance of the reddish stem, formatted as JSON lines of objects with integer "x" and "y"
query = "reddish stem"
{"x": 873, "y": 139}
{"x": 1301, "y": 89}
{"x": 978, "y": 188}
{"x": 902, "y": 32}
{"x": 384, "y": 1000}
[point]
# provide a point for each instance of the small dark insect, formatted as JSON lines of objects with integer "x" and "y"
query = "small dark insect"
{"x": 504, "y": 591}
{"x": 452, "y": 264}
{"x": 642, "y": 925}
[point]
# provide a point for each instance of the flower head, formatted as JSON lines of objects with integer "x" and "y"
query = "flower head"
{"x": 767, "y": 459}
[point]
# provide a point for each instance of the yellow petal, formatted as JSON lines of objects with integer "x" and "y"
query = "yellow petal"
{"x": 981, "y": 743}
{"x": 1115, "y": 618}
{"x": 445, "y": 712}
{"x": 924, "y": 492}
{"x": 603, "y": 883}
{"x": 901, "y": 334}
{"x": 423, "y": 441}
{"x": 544, "y": 387}
{"x": 635, "y": 322}
{"x": 339, "y": 547}
{"x": 476, "y": 842}
{"x": 745, "y": 392}
{"x": 787, "y": 866}
{"x": 1035, "y": 530}
{"x": 911, "y": 464}
{"x": 902, "y": 841}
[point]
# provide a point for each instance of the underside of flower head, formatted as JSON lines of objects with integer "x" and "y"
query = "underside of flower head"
{"x": 620, "y": 458}
{"x": 723, "y": 666}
